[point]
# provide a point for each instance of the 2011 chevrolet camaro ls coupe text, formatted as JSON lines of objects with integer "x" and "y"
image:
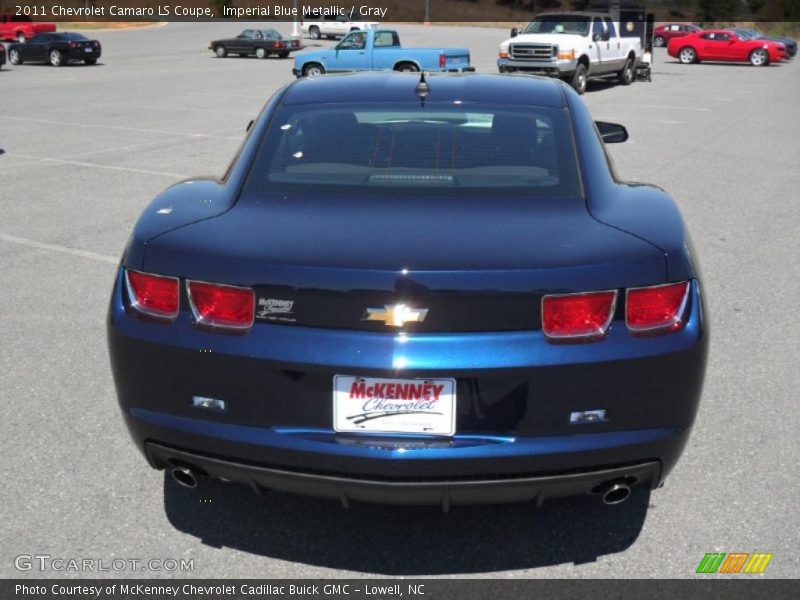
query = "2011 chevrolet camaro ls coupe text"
{"x": 413, "y": 291}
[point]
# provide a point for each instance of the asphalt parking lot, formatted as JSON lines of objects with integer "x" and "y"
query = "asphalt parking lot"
{"x": 84, "y": 149}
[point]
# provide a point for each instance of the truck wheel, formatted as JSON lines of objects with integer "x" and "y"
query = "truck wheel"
{"x": 626, "y": 75}
{"x": 221, "y": 52}
{"x": 313, "y": 69}
{"x": 261, "y": 53}
{"x": 659, "y": 42}
{"x": 313, "y": 32}
{"x": 407, "y": 68}
{"x": 579, "y": 78}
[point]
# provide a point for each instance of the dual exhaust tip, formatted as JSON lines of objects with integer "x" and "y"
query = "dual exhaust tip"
{"x": 614, "y": 492}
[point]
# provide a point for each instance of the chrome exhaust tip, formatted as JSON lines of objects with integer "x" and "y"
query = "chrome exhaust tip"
{"x": 184, "y": 476}
{"x": 616, "y": 493}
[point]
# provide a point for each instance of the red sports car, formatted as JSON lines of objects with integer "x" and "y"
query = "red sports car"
{"x": 725, "y": 45}
{"x": 664, "y": 33}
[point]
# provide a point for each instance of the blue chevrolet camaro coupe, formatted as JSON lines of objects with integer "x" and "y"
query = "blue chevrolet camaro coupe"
{"x": 411, "y": 291}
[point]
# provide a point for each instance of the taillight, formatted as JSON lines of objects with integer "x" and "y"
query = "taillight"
{"x": 73, "y": 45}
{"x": 578, "y": 316}
{"x": 279, "y": 44}
{"x": 223, "y": 306}
{"x": 442, "y": 61}
{"x": 153, "y": 295}
{"x": 656, "y": 309}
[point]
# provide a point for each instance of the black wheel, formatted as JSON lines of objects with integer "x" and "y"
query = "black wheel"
{"x": 90, "y": 61}
{"x": 352, "y": 29}
{"x": 579, "y": 78}
{"x": 261, "y": 53}
{"x": 759, "y": 57}
{"x": 313, "y": 69}
{"x": 687, "y": 55}
{"x": 14, "y": 57}
{"x": 626, "y": 75}
{"x": 659, "y": 42}
{"x": 407, "y": 68}
{"x": 56, "y": 58}
{"x": 313, "y": 32}
{"x": 283, "y": 55}
{"x": 221, "y": 51}
{"x": 21, "y": 37}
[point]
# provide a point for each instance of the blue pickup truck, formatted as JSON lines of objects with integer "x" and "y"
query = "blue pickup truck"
{"x": 379, "y": 50}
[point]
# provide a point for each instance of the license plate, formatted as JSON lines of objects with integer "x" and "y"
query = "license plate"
{"x": 378, "y": 405}
{"x": 87, "y": 50}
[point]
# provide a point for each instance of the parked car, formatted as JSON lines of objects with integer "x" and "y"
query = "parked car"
{"x": 326, "y": 323}
{"x": 58, "y": 49}
{"x": 664, "y": 33}
{"x": 725, "y": 46}
{"x": 20, "y": 28}
{"x": 791, "y": 44}
{"x": 333, "y": 26}
{"x": 379, "y": 50}
{"x": 574, "y": 46}
{"x": 255, "y": 42}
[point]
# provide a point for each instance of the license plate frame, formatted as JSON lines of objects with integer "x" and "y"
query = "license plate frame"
{"x": 411, "y": 406}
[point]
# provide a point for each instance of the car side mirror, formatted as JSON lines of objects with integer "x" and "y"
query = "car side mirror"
{"x": 611, "y": 133}
{"x": 514, "y": 32}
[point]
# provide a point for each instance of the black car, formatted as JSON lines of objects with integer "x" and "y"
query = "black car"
{"x": 258, "y": 42}
{"x": 754, "y": 34}
{"x": 56, "y": 48}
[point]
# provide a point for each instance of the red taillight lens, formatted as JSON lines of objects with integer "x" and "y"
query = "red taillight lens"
{"x": 222, "y": 305}
{"x": 586, "y": 316}
{"x": 658, "y": 308}
{"x": 279, "y": 44}
{"x": 153, "y": 295}
{"x": 442, "y": 61}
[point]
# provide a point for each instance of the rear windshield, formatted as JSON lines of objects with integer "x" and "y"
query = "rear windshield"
{"x": 75, "y": 37}
{"x": 446, "y": 150}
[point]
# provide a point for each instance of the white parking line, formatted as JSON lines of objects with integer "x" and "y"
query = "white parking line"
{"x": 58, "y": 248}
{"x": 98, "y": 166}
{"x": 167, "y": 108}
{"x": 119, "y": 128}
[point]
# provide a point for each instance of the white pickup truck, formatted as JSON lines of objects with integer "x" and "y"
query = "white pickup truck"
{"x": 332, "y": 26}
{"x": 576, "y": 46}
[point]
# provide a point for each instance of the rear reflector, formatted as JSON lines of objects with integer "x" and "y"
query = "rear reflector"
{"x": 442, "y": 61}
{"x": 223, "y": 306}
{"x": 658, "y": 308}
{"x": 578, "y": 316}
{"x": 153, "y": 295}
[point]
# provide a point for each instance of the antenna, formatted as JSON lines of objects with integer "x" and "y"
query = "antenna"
{"x": 422, "y": 89}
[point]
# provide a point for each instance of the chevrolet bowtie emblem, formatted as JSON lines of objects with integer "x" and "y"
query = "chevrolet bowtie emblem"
{"x": 395, "y": 315}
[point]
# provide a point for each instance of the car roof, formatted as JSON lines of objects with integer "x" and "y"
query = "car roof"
{"x": 375, "y": 87}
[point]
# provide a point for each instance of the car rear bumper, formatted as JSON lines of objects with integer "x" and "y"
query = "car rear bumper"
{"x": 445, "y": 493}
{"x": 515, "y": 394}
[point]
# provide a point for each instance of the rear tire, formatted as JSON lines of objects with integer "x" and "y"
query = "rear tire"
{"x": 659, "y": 42}
{"x": 261, "y": 53}
{"x": 221, "y": 51}
{"x": 14, "y": 57}
{"x": 626, "y": 75}
{"x": 759, "y": 57}
{"x": 313, "y": 32}
{"x": 687, "y": 55}
{"x": 313, "y": 70}
{"x": 579, "y": 79}
{"x": 56, "y": 58}
{"x": 407, "y": 68}
{"x": 90, "y": 61}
